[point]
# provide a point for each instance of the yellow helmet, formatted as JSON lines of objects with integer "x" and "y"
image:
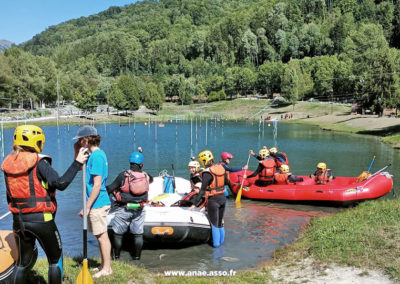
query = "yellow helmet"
{"x": 285, "y": 169}
{"x": 29, "y": 135}
{"x": 194, "y": 164}
{"x": 273, "y": 150}
{"x": 263, "y": 153}
{"x": 205, "y": 157}
{"x": 322, "y": 166}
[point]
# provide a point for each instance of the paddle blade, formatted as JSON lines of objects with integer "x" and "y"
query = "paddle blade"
{"x": 84, "y": 276}
{"x": 239, "y": 195}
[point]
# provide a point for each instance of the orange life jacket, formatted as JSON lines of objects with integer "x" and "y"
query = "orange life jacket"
{"x": 217, "y": 185}
{"x": 137, "y": 183}
{"x": 282, "y": 178}
{"x": 322, "y": 177}
{"x": 25, "y": 192}
{"x": 267, "y": 174}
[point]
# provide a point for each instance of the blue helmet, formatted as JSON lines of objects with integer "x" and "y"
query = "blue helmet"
{"x": 136, "y": 158}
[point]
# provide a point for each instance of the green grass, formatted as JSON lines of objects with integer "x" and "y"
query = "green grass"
{"x": 366, "y": 236}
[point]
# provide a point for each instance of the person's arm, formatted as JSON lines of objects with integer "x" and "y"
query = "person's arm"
{"x": 229, "y": 169}
{"x": 49, "y": 175}
{"x": 117, "y": 183}
{"x": 257, "y": 171}
{"x": 207, "y": 179}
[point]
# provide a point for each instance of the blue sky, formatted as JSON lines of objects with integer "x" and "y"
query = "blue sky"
{"x": 20, "y": 20}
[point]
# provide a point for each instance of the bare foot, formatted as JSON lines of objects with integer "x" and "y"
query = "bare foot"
{"x": 102, "y": 273}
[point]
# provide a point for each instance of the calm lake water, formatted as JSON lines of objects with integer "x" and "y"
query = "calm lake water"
{"x": 253, "y": 232}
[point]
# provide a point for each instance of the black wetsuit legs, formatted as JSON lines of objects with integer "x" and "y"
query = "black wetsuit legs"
{"x": 216, "y": 209}
{"x": 49, "y": 238}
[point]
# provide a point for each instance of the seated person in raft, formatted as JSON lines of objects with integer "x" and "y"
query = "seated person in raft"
{"x": 195, "y": 183}
{"x": 322, "y": 175}
{"x": 266, "y": 169}
{"x": 285, "y": 177}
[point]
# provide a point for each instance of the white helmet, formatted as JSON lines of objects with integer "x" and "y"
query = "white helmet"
{"x": 194, "y": 164}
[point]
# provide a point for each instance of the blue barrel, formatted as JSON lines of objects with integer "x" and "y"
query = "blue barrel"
{"x": 168, "y": 185}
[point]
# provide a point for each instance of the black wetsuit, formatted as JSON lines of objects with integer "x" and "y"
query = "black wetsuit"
{"x": 215, "y": 204}
{"x": 30, "y": 227}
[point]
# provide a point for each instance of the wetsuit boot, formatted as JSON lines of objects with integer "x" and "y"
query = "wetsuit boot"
{"x": 138, "y": 244}
{"x": 221, "y": 235}
{"x": 55, "y": 274}
{"x": 117, "y": 245}
{"x": 215, "y": 236}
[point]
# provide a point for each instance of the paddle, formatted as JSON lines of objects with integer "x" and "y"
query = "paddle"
{"x": 84, "y": 275}
{"x": 239, "y": 194}
{"x": 173, "y": 177}
{"x": 365, "y": 174}
{"x": 373, "y": 159}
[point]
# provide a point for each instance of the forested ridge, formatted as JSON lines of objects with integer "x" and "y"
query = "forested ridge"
{"x": 207, "y": 50}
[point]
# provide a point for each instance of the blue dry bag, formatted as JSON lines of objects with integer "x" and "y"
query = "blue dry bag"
{"x": 168, "y": 185}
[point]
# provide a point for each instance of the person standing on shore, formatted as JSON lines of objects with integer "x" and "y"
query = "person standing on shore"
{"x": 214, "y": 179}
{"x": 98, "y": 202}
{"x": 31, "y": 185}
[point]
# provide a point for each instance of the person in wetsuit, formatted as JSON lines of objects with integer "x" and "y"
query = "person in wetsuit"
{"x": 31, "y": 185}
{"x": 280, "y": 157}
{"x": 214, "y": 179}
{"x": 128, "y": 193}
{"x": 266, "y": 169}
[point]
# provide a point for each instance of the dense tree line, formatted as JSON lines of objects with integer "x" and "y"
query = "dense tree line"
{"x": 208, "y": 50}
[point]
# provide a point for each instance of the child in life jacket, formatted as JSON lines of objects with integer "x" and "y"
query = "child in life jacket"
{"x": 195, "y": 183}
{"x": 128, "y": 194}
{"x": 322, "y": 175}
{"x": 285, "y": 177}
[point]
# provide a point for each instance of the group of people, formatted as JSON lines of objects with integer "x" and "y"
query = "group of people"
{"x": 31, "y": 185}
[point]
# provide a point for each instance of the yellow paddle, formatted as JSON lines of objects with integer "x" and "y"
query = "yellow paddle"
{"x": 84, "y": 276}
{"x": 239, "y": 194}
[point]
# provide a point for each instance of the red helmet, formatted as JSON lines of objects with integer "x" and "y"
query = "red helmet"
{"x": 226, "y": 155}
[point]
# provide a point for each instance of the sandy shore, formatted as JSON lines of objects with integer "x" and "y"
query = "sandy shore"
{"x": 312, "y": 272}
{"x": 367, "y": 122}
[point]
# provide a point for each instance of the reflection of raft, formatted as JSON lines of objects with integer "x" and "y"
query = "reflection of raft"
{"x": 167, "y": 223}
{"x": 343, "y": 190}
{"x": 8, "y": 256}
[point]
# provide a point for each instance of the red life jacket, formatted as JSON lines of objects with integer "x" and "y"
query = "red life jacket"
{"x": 322, "y": 177}
{"x": 217, "y": 185}
{"x": 267, "y": 174}
{"x": 279, "y": 163}
{"x": 25, "y": 192}
{"x": 282, "y": 178}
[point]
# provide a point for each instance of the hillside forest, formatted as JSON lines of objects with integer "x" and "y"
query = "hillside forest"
{"x": 192, "y": 51}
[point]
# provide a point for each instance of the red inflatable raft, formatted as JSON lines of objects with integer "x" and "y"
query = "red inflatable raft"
{"x": 343, "y": 190}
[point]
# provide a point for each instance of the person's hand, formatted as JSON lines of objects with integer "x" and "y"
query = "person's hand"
{"x": 245, "y": 167}
{"x": 81, "y": 212}
{"x": 82, "y": 156}
{"x": 251, "y": 152}
{"x": 192, "y": 208}
{"x": 265, "y": 147}
{"x": 245, "y": 176}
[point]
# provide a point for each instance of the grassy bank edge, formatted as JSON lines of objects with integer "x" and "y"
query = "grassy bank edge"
{"x": 366, "y": 236}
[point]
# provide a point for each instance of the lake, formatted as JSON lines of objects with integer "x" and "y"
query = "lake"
{"x": 253, "y": 232}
